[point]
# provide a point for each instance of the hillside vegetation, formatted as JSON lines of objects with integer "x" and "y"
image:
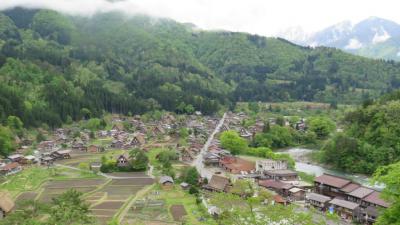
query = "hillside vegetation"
{"x": 56, "y": 68}
{"x": 371, "y": 137}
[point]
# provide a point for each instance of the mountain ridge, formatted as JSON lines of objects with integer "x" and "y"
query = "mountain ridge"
{"x": 371, "y": 37}
{"x": 56, "y": 68}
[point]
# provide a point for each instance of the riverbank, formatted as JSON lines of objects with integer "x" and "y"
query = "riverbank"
{"x": 305, "y": 164}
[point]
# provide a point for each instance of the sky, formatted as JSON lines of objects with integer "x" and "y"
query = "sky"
{"x": 263, "y": 17}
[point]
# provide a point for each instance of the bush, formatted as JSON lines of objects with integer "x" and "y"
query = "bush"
{"x": 193, "y": 190}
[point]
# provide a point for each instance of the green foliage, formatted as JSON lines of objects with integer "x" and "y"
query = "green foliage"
{"x": 231, "y": 141}
{"x": 254, "y": 107}
{"x": 389, "y": 175}
{"x": 108, "y": 165}
{"x": 53, "y": 26}
{"x": 54, "y": 66}
{"x": 138, "y": 160}
{"x": 94, "y": 124}
{"x": 167, "y": 156}
{"x": 321, "y": 126}
{"x": 15, "y": 124}
{"x": 371, "y": 137}
{"x": 28, "y": 213}
{"x": 40, "y": 137}
{"x": 191, "y": 176}
{"x": 6, "y": 141}
{"x": 276, "y": 137}
{"x": 250, "y": 210}
{"x": 69, "y": 208}
{"x": 183, "y": 133}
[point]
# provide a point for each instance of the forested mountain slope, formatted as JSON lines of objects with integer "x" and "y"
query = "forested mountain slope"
{"x": 55, "y": 68}
{"x": 371, "y": 137}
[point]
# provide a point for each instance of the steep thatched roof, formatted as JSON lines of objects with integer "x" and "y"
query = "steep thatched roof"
{"x": 6, "y": 203}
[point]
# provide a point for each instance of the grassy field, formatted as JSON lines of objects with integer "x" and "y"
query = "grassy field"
{"x": 31, "y": 178}
{"x": 27, "y": 180}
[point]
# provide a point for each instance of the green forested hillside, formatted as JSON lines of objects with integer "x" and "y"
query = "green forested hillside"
{"x": 55, "y": 68}
{"x": 371, "y": 137}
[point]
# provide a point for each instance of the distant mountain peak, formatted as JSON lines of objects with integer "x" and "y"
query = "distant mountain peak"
{"x": 372, "y": 37}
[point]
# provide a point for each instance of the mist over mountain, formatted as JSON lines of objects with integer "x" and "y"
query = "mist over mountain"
{"x": 373, "y": 37}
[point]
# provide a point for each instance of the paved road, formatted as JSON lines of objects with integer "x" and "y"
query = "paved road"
{"x": 198, "y": 162}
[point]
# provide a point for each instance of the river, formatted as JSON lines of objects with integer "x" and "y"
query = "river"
{"x": 302, "y": 165}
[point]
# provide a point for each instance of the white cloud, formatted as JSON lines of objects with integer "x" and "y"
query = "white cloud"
{"x": 353, "y": 44}
{"x": 265, "y": 17}
{"x": 380, "y": 36}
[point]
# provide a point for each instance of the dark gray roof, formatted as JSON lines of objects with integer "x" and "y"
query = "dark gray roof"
{"x": 344, "y": 203}
{"x": 318, "y": 197}
{"x": 361, "y": 192}
{"x": 165, "y": 179}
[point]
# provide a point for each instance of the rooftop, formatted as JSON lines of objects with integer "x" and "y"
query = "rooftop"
{"x": 218, "y": 182}
{"x": 318, "y": 197}
{"x": 332, "y": 180}
{"x": 6, "y": 203}
{"x": 344, "y": 203}
{"x": 350, "y": 187}
{"x": 361, "y": 192}
{"x": 274, "y": 184}
{"x": 375, "y": 199}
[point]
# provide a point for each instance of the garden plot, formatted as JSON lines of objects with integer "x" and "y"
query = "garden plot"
{"x": 27, "y": 196}
{"x": 108, "y": 200}
{"x": 149, "y": 211}
{"x": 54, "y": 188}
{"x": 178, "y": 212}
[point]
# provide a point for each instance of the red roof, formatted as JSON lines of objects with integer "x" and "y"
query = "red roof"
{"x": 333, "y": 181}
{"x": 279, "y": 199}
{"x": 350, "y": 187}
{"x": 10, "y": 166}
{"x": 237, "y": 164}
{"x": 375, "y": 199}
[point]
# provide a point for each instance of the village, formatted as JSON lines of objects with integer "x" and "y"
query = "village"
{"x": 121, "y": 193}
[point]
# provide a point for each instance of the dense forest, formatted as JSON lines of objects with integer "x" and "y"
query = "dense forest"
{"x": 371, "y": 137}
{"x": 56, "y": 68}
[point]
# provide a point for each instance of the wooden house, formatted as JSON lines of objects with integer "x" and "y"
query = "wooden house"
{"x": 218, "y": 184}
{"x": 15, "y": 157}
{"x": 123, "y": 160}
{"x": 46, "y": 145}
{"x": 358, "y": 194}
{"x": 296, "y": 194}
{"x": 331, "y": 185}
{"x": 166, "y": 182}
{"x": 10, "y": 168}
{"x": 277, "y": 186}
{"x": 345, "y": 209}
{"x": 317, "y": 201}
{"x": 138, "y": 140}
{"x": 158, "y": 130}
{"x": 61, "y": 154}
{"x": 286, "y": 175}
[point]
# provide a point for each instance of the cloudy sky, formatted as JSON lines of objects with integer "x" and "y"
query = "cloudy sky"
{"x": 265, "y": 17}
